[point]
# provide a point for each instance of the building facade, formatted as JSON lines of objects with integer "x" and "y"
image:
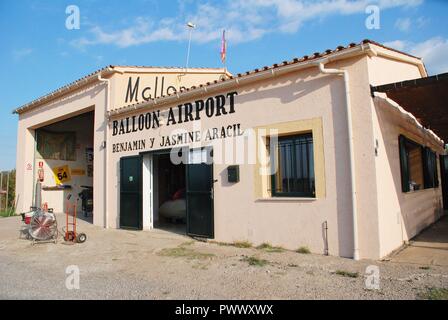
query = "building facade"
{"x": 296, "y": 154}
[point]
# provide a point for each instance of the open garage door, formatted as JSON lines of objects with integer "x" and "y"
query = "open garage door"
{"x": 199, "y": 193}
{"x": 131, "y": 216}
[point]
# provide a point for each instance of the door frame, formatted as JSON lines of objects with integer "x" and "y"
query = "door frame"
{"x": 148, "y": 181}
{"x": 140, "y": 188}
{"x": 151, "y": 184}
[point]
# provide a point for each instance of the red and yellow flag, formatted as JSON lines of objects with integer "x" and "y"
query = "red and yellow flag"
{"x": 223, "y": 47}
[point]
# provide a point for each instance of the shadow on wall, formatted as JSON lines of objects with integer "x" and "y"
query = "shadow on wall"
{"x": 418, "y": 209}
{"x": 342, "y": 170}
{"x": 118, "y": 179}
{"x": 288, "y": 85}
{"x": 74, "y": 97}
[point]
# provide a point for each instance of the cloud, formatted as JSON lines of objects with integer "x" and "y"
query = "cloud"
{"x": 21, "y": 53}
{"x": 422, "y": 22}
{"x": 244, "y": 20}
{"x": 403, "y": 24}
{"x": 433, "y": 52}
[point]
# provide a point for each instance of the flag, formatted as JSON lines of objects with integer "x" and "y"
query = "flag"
{"x": 223, "y": 47}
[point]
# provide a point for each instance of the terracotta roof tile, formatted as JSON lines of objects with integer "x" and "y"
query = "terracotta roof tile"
{"x": 239, "y": 75}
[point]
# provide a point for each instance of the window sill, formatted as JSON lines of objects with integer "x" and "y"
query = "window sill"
{"x": 421, "y": 190}
{"x": 286, "y": 199}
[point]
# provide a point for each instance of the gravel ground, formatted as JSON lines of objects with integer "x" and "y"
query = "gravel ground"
{"x": 119, "y": 264}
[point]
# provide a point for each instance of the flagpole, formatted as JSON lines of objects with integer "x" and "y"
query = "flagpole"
{"x": 190, "y": 26}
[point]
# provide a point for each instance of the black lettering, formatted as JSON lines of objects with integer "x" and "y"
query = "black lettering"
{"x": 199, "y": 104}
{"x": 171, "y": 118}
{"x": 232, "y": 95}
{"x": 223, "y": 132}
{"x": 209, "y": 107}
{"x": 132, "y": 92}
{"x": 134, "y": 129}
{"x": 179, "y": 114}
{"x": 229, "y": 132}
{"x": 114, "y": 127}
{"x": 215, "y": 133}
{"x": 188, "y": 112}
{"x": 127, "y": 125}
{"x": 146, "y": 98}
{"x": 155, "y": 119}
{"x": 155, "y": 88}
{"x": 172, "y": 89}
{"x": 141, "y": 122}
{"x": 148, "y": 120}
{"x": 220, "y": 102}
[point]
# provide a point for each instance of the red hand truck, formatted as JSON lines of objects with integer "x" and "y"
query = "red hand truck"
{"x": 70, "y": 226}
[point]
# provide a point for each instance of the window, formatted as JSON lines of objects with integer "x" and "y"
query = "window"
{"x": 293, "y": 167}
{"x": 56, "y": 145}
{"x": 431, "y": 175}
{"x": 418, "y": 166}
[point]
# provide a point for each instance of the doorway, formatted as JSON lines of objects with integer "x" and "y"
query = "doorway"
{"x": 177, "y": 197}
{"x": 63, "y": 164}
{"x": 169, "y": 211}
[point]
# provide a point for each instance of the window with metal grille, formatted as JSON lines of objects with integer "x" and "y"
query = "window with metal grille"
{"x": 293, "y": 167}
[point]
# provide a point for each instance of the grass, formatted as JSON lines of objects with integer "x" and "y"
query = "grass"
{"x": 434, "y": 294}
{"x": 254, "y": 261}
{"x": 182, "y": 252}
{"x": 347, "y": 274}
{"x": 242, "y": 244}
{"x": 303, "y": 250}
{"x": 186, "y": 243}
{"x": 269, "y": 248}
{"x": 8, "y": 213}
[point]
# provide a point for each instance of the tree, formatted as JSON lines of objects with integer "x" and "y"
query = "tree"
{"x": 11, "y": 185}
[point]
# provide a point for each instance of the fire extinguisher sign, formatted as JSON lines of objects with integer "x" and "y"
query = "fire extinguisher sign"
{"x": 61, "y": 174}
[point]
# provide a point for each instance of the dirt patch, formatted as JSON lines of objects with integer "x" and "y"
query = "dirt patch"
{"x": 118, "y": 264}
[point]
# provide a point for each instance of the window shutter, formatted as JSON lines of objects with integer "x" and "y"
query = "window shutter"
{"x": 403, "y": 164}
{"x": 426, "y": 156}
{"x": 436, "y": 172}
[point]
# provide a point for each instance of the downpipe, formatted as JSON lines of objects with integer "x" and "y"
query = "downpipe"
{"x": 106, "y": 156}
{"x": 345, "y": 74}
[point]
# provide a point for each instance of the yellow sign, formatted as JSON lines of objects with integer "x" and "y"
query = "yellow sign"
{"x": 78, "y": 172}
{"x": 62, "y": 174}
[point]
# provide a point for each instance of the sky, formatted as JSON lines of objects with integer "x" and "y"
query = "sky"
{"x": 42, "y": 47}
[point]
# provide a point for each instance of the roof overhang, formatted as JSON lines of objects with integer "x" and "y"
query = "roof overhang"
{"x": 90, "y": 79}
{"x": 425, "y": 98}
{"x": 106, "y": 72}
